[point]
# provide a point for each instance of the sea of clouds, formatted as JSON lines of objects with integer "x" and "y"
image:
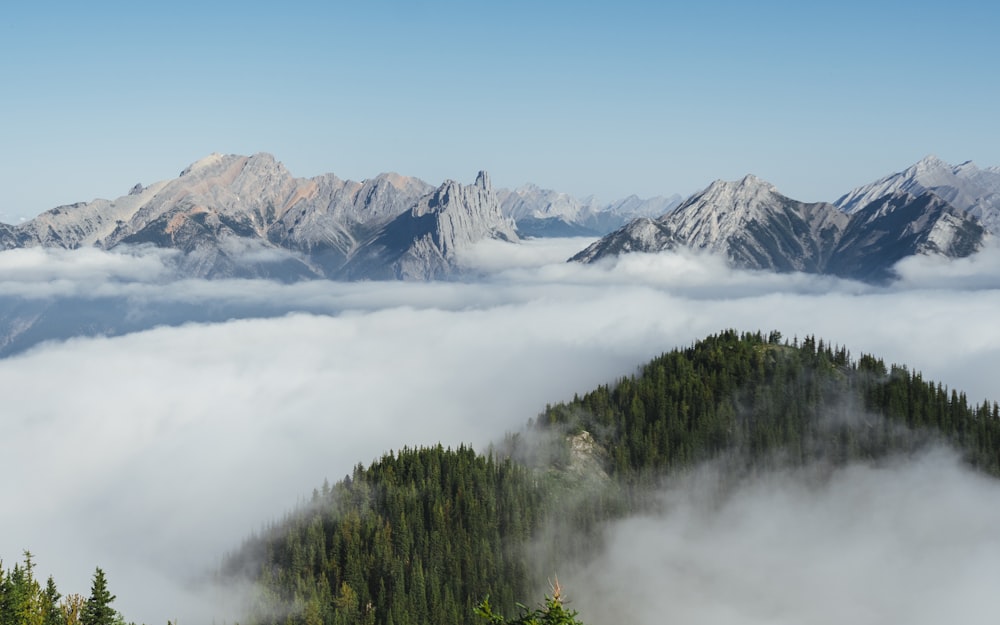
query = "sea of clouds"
{"x": 153, "y": 450}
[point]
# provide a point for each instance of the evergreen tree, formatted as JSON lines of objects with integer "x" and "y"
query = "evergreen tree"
{"x": 97, "y": 610}
{"x": 21, "y": 595}
{"x": 51, "y": 612}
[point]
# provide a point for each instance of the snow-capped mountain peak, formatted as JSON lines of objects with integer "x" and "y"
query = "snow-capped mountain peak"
{"x": 745, "y": 192}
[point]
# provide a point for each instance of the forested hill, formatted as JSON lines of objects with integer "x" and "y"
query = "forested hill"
{"x": 420, "y": 536}
{"x": 423, "y": 535}
{"x": 774, "y": 401}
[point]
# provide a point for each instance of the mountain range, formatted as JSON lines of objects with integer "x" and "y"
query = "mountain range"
{"x": 873, "y": 227}
{"x": 239, "y": 216}
{"x": 247, "y": 216}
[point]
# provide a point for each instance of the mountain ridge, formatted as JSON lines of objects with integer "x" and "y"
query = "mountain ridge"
{"x": 247, "y": 216}
{"x": 755, "y": 227}
{"x": 966, "y": 186}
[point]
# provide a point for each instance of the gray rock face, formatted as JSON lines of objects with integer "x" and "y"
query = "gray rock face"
{"x": 756, "y": 227}
{"x": 899, "y": 225}
{"x": 247, "y": 216}
{"x": 422, "y": 242}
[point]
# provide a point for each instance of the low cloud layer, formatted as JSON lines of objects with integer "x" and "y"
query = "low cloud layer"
{"x": 153, "y": 453}
{"x": 979, "y": 271}
{"x": 911, "y": 541}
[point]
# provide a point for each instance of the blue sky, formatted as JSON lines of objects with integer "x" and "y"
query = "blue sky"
{"x": 584, "y": 97}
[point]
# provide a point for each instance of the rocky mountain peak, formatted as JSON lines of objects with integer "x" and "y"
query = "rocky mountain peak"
{"x": 747, "y": 184}
{"x": 748, "y": 193}
{"x": 422, "y": 242}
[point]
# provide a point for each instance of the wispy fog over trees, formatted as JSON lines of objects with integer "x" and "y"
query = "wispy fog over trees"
{"x": 423, "y": 535}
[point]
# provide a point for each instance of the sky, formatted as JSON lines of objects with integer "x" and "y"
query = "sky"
{"x": 153, "y": 454}
{"x": 590, "y": 98}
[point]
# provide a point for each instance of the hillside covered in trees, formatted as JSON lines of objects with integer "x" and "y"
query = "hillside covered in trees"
{"x": 424, "y": 535}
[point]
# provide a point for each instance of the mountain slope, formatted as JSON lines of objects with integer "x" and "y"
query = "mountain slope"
{"x": 422, "y": 242}
{"x": 965, "y": 186}
{"x": 329, "y": 234}
{"x": 754, "y": 225}
{"x": 899, "y": 225}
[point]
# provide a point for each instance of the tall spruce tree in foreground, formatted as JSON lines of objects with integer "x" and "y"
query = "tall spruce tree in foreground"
{"x": 98, "y": 610}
